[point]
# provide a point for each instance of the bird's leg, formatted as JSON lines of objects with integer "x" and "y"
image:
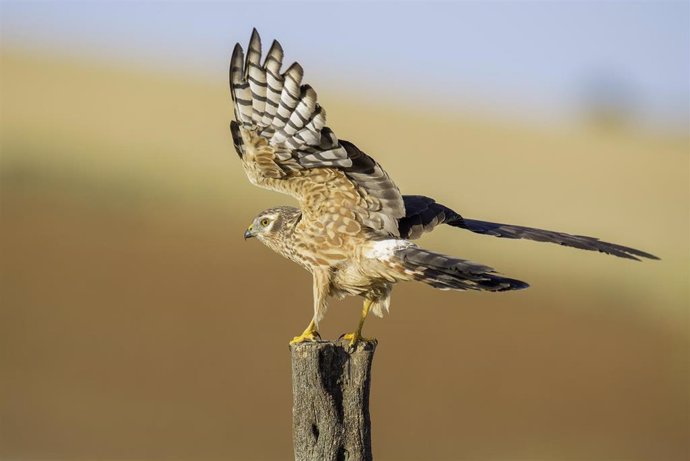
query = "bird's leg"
{"x": 357, "y": 335}
{"x": 310, "y": 334}
{"x": 320, "y": 286}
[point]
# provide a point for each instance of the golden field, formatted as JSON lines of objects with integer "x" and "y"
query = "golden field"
{"x": 137, "y": 324}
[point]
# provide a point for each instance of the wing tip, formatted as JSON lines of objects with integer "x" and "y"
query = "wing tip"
{"x": 580, "y": 242}
{"x": 237, "y": 56}
{"x": 623, "y": 251}
{"x": 236, "y": 65}
{"x": 295, "y": 71}
{"x": 644, "y": 254}
{"x": 255, "y": 38}
{"x": 274, "y": 59}
{"x": 275, "y": 45}
{"x": 306, "y": 91}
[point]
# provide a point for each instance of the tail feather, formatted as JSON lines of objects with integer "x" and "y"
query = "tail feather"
{"x": 448, "y": 273}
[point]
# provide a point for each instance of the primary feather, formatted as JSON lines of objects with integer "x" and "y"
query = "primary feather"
{"x": 281, "y": 135}
{"x": 423, "y": 214}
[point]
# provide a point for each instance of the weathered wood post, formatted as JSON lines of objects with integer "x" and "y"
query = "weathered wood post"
{"x": 330, "y": 409}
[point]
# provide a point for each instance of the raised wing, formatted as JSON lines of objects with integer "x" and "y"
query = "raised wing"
{"x": 423, "y": 214}
{"x": 281, "y": 137}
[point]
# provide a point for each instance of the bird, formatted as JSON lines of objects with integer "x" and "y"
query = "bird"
{"x": 353, "y": 229}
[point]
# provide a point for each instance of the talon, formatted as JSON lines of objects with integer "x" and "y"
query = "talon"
{"x": 311, "y": 334}
{"x": 306, "y": 337}
{"x": 355, "y": 337}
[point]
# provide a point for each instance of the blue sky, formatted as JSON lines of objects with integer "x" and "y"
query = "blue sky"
{"x": 516, "y": 57}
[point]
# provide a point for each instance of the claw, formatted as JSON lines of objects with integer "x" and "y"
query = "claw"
{"x": 311, "y": 334}
{"x": 355, "y": 338}
{"x": 306, "y": 337}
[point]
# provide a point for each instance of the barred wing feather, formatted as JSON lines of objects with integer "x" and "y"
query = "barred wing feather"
{"x": 281, "y": 136}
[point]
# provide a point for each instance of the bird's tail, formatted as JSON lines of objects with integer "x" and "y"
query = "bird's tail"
{"x": 448, "y": 273}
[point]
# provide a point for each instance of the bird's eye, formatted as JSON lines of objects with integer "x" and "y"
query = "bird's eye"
{"x": 264, "y": 222}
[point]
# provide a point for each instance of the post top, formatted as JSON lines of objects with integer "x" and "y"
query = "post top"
{"x": 369, "y": 345}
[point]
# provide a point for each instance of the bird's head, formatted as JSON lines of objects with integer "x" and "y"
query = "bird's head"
{"x": 272, "y": 226}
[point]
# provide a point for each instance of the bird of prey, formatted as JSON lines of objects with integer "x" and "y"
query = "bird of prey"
{"x": 353, "y": 229}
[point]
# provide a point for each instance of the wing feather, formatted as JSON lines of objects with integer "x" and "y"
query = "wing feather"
{"x": 256, "y": 77}
{"x": 280, "y": 134}
{"x": 241, "y": 94}
{"x": 289, "y": 96}
{"x": 423, "y": 214}
{"x": 274, "y": 82}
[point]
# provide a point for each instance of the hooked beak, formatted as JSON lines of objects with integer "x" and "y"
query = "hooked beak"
{"x": 248, "y": 233}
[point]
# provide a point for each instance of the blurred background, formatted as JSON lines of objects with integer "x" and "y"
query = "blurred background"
{"x": 136, "y": 323}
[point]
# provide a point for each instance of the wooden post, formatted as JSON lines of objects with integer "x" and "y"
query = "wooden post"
{"x": 330, "y": 409}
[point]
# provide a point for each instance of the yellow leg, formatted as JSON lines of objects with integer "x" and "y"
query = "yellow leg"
{"x": 357, "y": 335}
{"x": 310, "y": 334}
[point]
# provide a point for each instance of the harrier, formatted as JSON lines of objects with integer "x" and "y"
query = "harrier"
{"x": 353, "y": 228}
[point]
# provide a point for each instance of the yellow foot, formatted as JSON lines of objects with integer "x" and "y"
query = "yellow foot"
{"x": 306, "y": 336}
{"x": 354, "y": 338}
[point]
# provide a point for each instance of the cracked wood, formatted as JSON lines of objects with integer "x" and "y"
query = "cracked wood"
{"x": 330, "y": 412}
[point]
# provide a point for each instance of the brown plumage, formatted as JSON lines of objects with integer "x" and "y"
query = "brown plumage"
{"x": 352, "y": 229}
